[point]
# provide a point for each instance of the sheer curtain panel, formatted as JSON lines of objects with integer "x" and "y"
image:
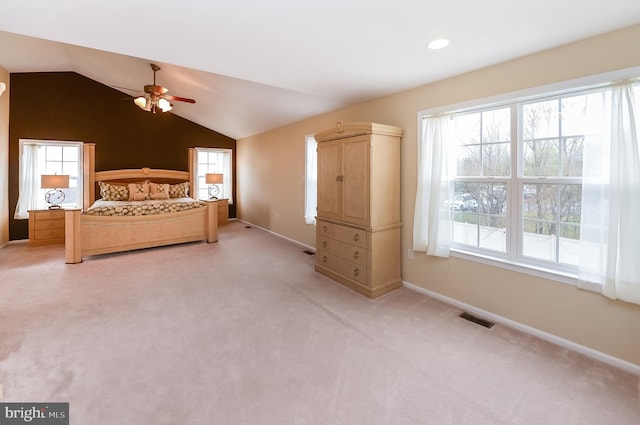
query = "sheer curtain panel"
{"x": 311, "y": 181}
{"x": 29, "y": 182}
{"x": 610, "y": 228}
{"x": 432, "y": 217}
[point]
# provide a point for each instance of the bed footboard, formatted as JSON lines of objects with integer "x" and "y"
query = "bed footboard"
{"x": 93, "y": 235}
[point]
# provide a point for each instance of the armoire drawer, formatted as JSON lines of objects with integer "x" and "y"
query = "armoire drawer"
{"x": 339, "y": 265}
{"x": 345, "y": 234}
{"x": 353, "y": 253}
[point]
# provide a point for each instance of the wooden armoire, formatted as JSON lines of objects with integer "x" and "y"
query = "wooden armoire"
{"x": 358, "y": 219}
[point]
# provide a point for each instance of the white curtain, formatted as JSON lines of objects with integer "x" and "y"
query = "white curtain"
{"x": 311, "y": 181}
{"x": 227, "y": 187}
{"x": 29, "y": 182}
{"x": 610, "y": 228}
{"x": 432, "y": 217}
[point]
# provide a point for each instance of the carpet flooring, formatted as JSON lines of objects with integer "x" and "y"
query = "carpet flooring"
{"x": 245, "y": 332}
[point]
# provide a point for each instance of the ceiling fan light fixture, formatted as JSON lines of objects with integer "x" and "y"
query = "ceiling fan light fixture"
{"x": 155, "y": 97}
{"x": 164, "y": 105}
{"x": 143, "y": 103}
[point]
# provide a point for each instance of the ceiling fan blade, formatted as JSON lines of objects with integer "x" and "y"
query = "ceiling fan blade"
{"x": 178, "y": 98}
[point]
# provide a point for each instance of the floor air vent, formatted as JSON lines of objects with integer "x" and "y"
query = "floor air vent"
{"x": 308, "y": 252}
{"x": 487, "y": 324}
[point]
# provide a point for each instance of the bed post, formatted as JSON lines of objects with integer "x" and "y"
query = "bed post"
{"x": 88, "y": 170}
{"x": 193, "y": 169}
{"x": 72, "y": 236}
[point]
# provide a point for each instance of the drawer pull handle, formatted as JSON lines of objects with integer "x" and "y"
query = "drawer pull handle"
{"x": 356, "y": 272}
{"x": 324, "y": 228}
{"x": 356, "y": 255}
{"x": 324, "y": 244}
{"x": 356, "y": 237}
{"x": 324, "y": 259}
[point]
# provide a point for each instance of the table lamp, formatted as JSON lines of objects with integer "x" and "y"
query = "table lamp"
{"x": 213, "y": 180}
{"x": 55, "y": 182}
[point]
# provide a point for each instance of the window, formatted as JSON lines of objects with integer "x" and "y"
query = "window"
{"x": 214, "y": 160}
{"x": 483, "y": 167}
{"x": 537, "y": 183}
{"x": 38, "y": 157}
{"x": 543, "y": 141}
{"x": 311, "y": 180}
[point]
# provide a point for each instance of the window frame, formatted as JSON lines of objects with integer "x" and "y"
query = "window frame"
{"x": 227, "y": 184}
{"x": 509, "y": 261}
{"x": 21, "y": 214}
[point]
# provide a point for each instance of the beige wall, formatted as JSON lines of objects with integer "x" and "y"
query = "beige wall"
{"x": 4, "y": 159}
{"x": 271, "y": 193}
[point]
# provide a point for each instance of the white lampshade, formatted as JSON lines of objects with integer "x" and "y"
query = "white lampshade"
{"x": 213, "y": 178}
{"x": 54, "y": 181}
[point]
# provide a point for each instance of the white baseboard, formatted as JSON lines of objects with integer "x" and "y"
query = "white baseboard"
{"x": 310, "y": 248}
{"x": 589, "y": 352}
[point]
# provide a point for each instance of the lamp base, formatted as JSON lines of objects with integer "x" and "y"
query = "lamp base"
{"x": 214, "y": 191}
{"x": 54, "y": 198}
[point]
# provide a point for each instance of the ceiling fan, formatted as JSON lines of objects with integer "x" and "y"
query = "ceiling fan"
{"x": 156, "y": 97}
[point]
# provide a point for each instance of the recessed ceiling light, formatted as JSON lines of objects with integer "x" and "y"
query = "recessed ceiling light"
{"x": 438, "y": 44}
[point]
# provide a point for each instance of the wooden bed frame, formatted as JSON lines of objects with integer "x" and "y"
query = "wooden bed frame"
{"x": 93, "y": 235}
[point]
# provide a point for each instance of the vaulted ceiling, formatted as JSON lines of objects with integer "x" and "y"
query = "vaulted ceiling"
{"x": 254, "y": 65}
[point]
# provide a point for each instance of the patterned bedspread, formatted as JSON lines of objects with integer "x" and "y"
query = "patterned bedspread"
{"x": 149, "y": 207}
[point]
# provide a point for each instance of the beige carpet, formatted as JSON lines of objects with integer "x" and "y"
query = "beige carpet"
{"x": 245, "y": 332}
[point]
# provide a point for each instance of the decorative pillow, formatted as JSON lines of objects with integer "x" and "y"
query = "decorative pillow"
{"x": 180, "y": 190}
{"x": 139, "y": 191}
{"x": 113, "y": 192}
{"x": 159, "y": 191}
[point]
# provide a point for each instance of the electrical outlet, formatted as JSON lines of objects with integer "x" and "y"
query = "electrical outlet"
{"x": 410, "y": 253}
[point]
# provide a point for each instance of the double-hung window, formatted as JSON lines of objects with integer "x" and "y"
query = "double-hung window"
{"x": 546, "y": 183}
{"x": 218, "y": 161}
{"x": 38, "y": 157}
{"x": 518, "y": 178}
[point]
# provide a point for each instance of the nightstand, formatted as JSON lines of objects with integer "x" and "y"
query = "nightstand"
{"x": 46, "y": 227}
{"x": 223, "y": 210}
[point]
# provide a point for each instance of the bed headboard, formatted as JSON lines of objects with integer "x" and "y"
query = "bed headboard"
{"x": 92, "y": 177}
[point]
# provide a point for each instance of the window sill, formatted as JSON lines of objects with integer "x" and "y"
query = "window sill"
{"x": 545, "y": 273}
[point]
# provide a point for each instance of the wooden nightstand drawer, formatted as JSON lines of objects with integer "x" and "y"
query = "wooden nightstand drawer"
{"x": 48, "y": 214}
{"x": 46, "y": 227}
{"x": 49, "y": 224}
{"x": 50, "y": 233}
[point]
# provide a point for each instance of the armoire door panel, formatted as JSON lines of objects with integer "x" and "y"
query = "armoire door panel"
{"x": 355, "y": 184}
{"x": 329, "y": 180}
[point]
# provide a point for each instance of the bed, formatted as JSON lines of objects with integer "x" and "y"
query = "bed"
{"x": 108, "y": 227}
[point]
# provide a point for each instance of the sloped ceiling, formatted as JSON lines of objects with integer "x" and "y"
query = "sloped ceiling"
{"x": 253, "y": 65}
